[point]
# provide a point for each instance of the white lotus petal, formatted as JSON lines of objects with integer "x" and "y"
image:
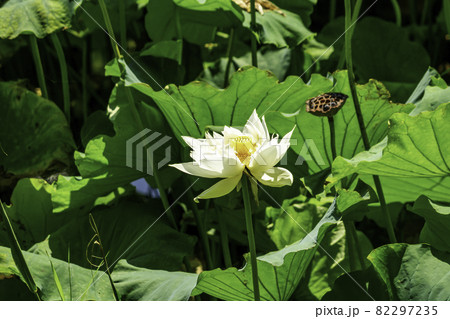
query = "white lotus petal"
{"x": 286, "y": 139}
{"x": 196, "y": 170}
{"x": 275, "y": 177}
{"x": 205, "y": 153}
{"x": 210, "y": 163}
{"x": 221, "y": 188}
{"x": 230, "y": 133}
{"x": 215, "y": 139}
{"x": 256, "y": 128}
{"x": 193, "y": 142}
{"x": 266, "y": 156}
{"x": 226, "y": 166}
{"x": 270, "y": 153}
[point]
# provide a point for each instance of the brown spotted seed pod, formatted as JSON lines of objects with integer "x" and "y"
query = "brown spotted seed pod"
{"x": 327, "y": 104}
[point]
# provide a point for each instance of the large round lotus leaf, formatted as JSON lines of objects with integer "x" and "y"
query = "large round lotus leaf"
{"x": 38, "y": 17}
{"x": 24, "y": 117}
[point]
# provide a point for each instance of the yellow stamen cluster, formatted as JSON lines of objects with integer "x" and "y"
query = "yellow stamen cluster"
{"x": 244, "y": 148}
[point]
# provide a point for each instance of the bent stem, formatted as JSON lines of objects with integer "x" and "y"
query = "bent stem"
{"x": 250, "y": 235}
{"x": 17, "y": 254}
{"x": 253, "y": 33}
{"x": 398, "y": 14}
{"x": 38, "y": 65}
{"x": 64, "y": 74}
{"x": 362, "y": 127}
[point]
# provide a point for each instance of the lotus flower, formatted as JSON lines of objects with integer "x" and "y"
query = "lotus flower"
{"x": 228, "y": 156}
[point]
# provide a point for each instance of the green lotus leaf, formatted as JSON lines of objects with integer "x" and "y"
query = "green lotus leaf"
{"x": 38, "y": 17}
{"x": 414, "y": 154}
{"x": 406, "y": 272}
{"x": 25, "y": 116}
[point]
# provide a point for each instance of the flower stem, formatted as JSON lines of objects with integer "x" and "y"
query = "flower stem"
{"x": 355, "y": 15}
{"x": 17, "y": 254}
{"x": 332, "y": 10}
{"x": 427, "y": 8}
{"x": 122, "y": 25}
{"x": 332, "y": 136}
{"x": 163, "y": 196}
{"x": 38, "y": 64}
{"x": 398, "y": 14}
{"x": 412, "y": 10}
{"x": 253, "y": 33}
{"x": 230, "y": 57}
{"x": 84, "y": 67}
{"x": 64, "y": 75}
{"x": 250, "y": 235}
{"x": 110, "y": 29}
{"x": 362, "y": 127}
{"x": 224, "y": 239}
{"x": 201, "y": 230}
{"x": 179, "y": 35}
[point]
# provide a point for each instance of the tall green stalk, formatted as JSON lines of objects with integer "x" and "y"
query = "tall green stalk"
{"x": 84, "y": 86}
{"x": 250, "y": 235}
{"x": 17, "y": 254}
{"x": 355, "y": 16}
{"x": 398, "y": 13}
{"x": 122, "y": 24}
{"x": 201, "y": 230}
{"x": 446, "y": 9}
{"x": 332, "y": 136}
{"x": 427, "y": 10}
{"x": 230, "y": 57}
{"x": 110, "y": 29}
{"x": 163, "y": 196}
{"x": 412, "y": 11}
{"x": 38, "y": 65}
{"x": 332, "y": 10}
{"x": 64, "y": 74}
{"x": 179, "y": 34}
{"x": 253, "y": 33}
{"x": 224, "y": 239}
{"x": 359, "y": 116}
{"x": 133, "y": 108}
